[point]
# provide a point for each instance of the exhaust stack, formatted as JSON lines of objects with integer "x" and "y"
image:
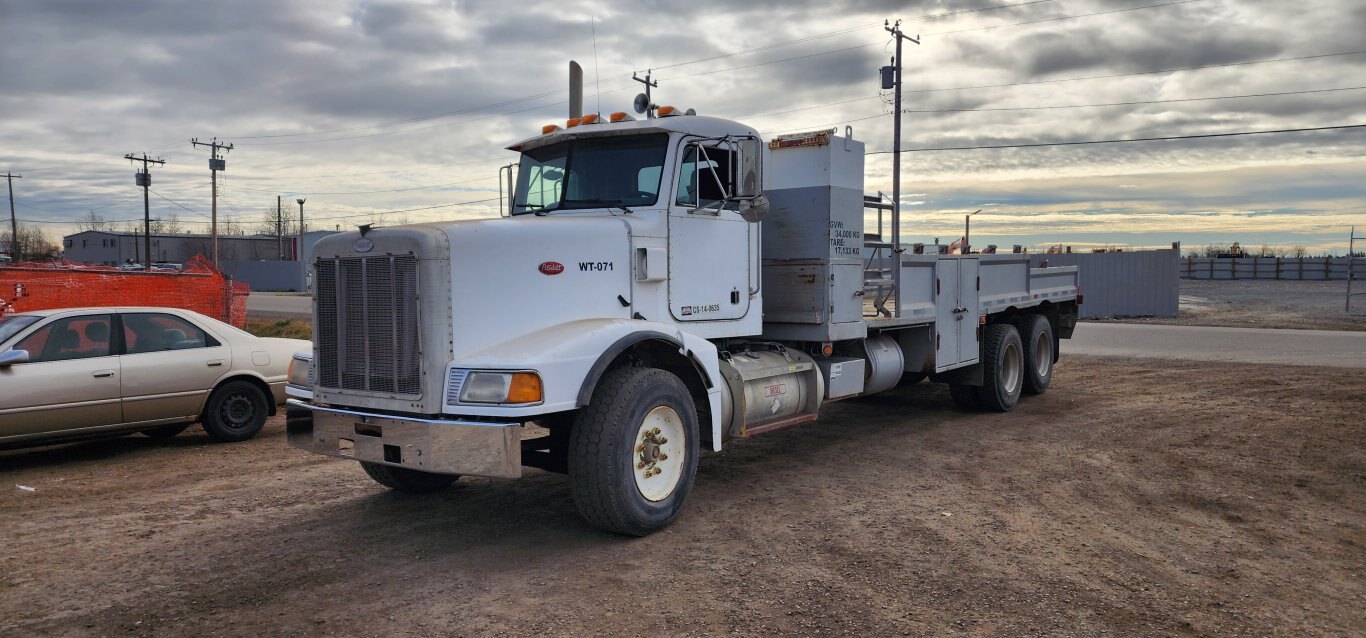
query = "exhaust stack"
{"x": 575, "y": 89}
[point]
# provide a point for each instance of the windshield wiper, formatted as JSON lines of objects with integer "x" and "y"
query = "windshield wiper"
{"x": 605, "y": 203}
{"x": 539, "y": 210}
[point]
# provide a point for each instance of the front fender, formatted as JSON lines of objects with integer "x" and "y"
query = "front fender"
{"x": 570, "y": 358}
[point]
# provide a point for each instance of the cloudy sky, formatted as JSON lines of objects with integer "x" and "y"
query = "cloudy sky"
{"x": 399, "y": 111}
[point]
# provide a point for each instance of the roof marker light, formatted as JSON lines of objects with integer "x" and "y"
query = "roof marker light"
{"x": 591, "y": 118}
{"x": 572, "y": 122}
{"x": 666, "y": 111}
{"x": 549, "y": 128}
{"x": 621, "y": 116}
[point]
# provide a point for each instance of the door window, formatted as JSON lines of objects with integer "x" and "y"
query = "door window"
{"x": 156, "y": 332}
{"x": 706, "y": 176}
{"x": 80, "y": 337}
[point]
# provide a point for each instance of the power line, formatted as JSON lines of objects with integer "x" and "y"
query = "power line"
{"x": 1120, "y": 141}
{"x": 409, "y": 210}
{"x": 1121, "y": 75}
{"x": 1188, "y": 99}
{"x": 1083, "y": 15}
{"x": 391, "y": 190}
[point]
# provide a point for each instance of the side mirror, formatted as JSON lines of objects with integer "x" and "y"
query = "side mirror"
{"x": 11, "y": 357}
{"x": 750, "y": 176}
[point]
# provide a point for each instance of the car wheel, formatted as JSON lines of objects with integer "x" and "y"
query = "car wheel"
{"x": 406, "y": 480}
{"x": 236, "y": 411}
{"x": 165, "y": 432}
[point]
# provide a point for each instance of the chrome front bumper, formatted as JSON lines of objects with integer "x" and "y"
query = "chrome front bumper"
{"x": 428, "y": 445}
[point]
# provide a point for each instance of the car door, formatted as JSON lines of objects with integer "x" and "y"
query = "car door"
{"x": 70, "y": 382}
{"x": 169, "y": 366}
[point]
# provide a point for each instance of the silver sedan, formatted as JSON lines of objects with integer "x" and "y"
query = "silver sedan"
{"x": 79, "y": 372}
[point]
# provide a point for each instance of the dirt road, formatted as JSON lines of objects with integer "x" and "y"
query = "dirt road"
{"x": 1134, "y": 498}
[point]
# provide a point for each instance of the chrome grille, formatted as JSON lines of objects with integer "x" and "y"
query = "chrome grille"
{"x": 367, "y": 324}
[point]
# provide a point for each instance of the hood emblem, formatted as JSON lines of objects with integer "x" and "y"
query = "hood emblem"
{"x": 363, "y": 245}
{"x": 551, "y": 268}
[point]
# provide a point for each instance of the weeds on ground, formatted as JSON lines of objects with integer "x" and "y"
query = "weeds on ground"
{"x": 287, "y": 328}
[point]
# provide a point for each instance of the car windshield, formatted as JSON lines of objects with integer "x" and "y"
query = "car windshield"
{"x": 11, "y": 325}
{"x": 591, "y": 172}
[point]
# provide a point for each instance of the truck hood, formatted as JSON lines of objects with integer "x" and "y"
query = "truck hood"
{"x": 514, "y": 276}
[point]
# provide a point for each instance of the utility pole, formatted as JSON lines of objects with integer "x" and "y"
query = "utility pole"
{"x": 891, "y": 78}
{"x": 143, "y": 178}
{"x": 967, "y": 232}
{"x": 646, "y": 108}
{"x": 13, "y": 221}
{"x": 215, "y": 164}
{"x": 279, "y": 231}
{"x": 301, "y": 201}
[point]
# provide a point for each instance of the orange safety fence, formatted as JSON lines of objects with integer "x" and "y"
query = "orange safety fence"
{"x": 200, "y": 287}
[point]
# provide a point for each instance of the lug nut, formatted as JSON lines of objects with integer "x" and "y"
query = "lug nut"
{"x": 663, "y": 456}
{"x": 662, "y": 440}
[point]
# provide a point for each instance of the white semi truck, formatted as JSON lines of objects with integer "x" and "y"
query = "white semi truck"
{"x": 660, "y": 287}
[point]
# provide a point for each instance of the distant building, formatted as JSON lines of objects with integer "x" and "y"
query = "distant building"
{"x": 104, "y": 248}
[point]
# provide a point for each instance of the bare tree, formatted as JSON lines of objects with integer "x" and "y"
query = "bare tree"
{"x": 173, "y": 225}
{"x": 91, "y": 221}
{"x": 33, "y": 244}
{"x": 1299, "y": 251}
{"x": 289, "y": 224}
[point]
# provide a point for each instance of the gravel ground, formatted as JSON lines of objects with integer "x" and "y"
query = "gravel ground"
{"x": 1134, "y": 498}
{"x": 1304, "y": 305}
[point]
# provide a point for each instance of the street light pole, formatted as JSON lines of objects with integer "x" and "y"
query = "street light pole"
{"x": 967, "y": 231}
{"x": 301, "y": 201}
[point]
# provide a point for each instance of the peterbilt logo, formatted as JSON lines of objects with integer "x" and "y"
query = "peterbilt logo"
{"x": 363, "y": 245}
{"x": 551, "y": 268}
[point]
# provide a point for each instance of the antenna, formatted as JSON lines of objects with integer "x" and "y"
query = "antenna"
{"x": 597, "y": 77}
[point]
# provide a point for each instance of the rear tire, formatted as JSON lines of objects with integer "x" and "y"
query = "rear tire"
{"x": 406, "y": 480}
{"x": 1002, "y": 368}
{"x": 633, "y": 451}
{"x": 236, "y": 411}
{"x": 1038, "y": 350}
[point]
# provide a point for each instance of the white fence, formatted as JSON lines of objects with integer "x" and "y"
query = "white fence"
{"x": 1298, "y": 268}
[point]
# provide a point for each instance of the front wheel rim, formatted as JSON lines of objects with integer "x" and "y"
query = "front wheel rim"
{"x": 657, "y": 454}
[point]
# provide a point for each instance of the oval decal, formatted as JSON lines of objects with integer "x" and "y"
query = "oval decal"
{"x": 363, "y": 245}
{"x": 552, "y": 268}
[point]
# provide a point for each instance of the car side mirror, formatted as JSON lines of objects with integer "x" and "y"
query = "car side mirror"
{"x": 751, "y": 170}
{"x": 11, "y": 357}
{"x": 754, "y": 210}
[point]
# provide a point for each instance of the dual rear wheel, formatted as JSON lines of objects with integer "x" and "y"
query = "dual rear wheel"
{"x": 1015, "y": 360}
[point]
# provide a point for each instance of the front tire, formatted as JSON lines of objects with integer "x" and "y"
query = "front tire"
{"x": 406, "y": 480}
{"x": 1002, "y": 368}
{"x": 633, "y": 451}
{"x": 236, "y": 412}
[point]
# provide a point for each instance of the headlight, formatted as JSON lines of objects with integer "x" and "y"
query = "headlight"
{"x": 300, "y": 372}
{"x": 501, "y": 387}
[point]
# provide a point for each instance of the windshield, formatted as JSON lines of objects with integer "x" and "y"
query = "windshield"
{"x": 11, "y": 325}
{"x": 593, "y": 172}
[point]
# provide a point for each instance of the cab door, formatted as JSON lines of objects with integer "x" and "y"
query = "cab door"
{"x": 70, "y": 383}
{"x": 709, "y": 243}
{"x": 169, "y": 366}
